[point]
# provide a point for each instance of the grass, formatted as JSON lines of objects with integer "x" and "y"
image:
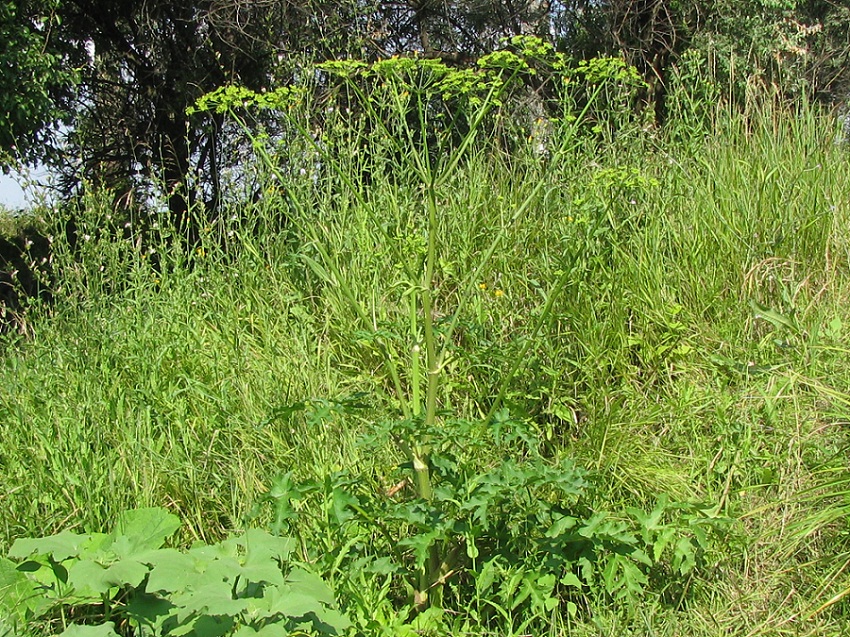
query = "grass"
{"x": 698, "y": 349}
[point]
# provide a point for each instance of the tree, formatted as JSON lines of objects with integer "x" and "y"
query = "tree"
{"x": 149, "y": 61}
{"x": 34, "y": 82}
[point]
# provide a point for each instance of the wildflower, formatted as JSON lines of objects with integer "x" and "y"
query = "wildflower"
{"x": 482, "y": 286}
{"x": 498, "y": 293}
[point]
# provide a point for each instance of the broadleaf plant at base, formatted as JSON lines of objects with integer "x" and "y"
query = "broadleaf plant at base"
{"x": 87, "y": 584}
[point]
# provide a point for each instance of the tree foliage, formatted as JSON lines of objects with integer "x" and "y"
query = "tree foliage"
{"x": 135, "y": 67}
{"x": 33, "y": 80}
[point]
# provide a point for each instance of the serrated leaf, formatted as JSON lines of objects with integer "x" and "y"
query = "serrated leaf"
{"x": 641, "y": 556}
{"x": 342, "y": 506}
{"x": 571, "y": 579}
{"x": 609, "y": 574}
{"x": 589, "y": 528}
{"x": 18, "y": 593}
{"x": 561, "y": 524}
{"x": 684, "y": 555}
{"x": 522, "y": 594}
{"x": 486, "y": 577}
{"x": 381, "y": 566}
{"x": 634, "y": 578}
{"x": 479, "y": 506}
{"x": 662, "y": 540}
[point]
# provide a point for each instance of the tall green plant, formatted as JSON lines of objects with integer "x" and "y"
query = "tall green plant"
{"x": 403, "y": 101}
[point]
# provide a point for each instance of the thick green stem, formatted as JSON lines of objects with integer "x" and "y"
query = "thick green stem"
{"x": 430, "y": 589}
{"x": 428, "y": 311}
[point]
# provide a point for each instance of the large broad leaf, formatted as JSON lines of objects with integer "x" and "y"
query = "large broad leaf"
{"x": 60, "y": 546}
{"x": 210, "y": 626}
{"x": 104, "y": 630}
{"x": 305, "y": 595}
{"x": 309, "y": 584}
{"x": 264, "y": 555}
{"x": 289, "y": 603}
{"x": 172, "y": 571}
{"x": 209, "y": 598}
{"x": 87, "y": 577}
{"x": 141, "y": 530}
{"x": 269, "y": 630}
{"x": 149, "y": 611}
{"x": 261, "y": 545}
{"x": 332, "y": 618}
{"x": 285, "y": 602}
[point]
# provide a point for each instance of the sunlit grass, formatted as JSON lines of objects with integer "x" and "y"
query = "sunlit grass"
{"x": 698, "y": 349}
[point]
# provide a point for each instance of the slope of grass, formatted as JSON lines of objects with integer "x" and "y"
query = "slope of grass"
{"x": 698, "y": 349}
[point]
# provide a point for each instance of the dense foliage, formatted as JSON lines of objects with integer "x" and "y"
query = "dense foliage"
{"x": 121, "y": 74}
{"x": 425, "y": 318}
{"x": 33, "y": 80}
{"x": 455, "y": 363}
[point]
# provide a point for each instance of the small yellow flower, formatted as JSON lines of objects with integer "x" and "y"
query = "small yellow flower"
{"x": 482, "y": 286}
{"x": 499, "y": 293}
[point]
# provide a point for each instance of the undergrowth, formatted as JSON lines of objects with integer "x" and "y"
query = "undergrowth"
{"x": 483, "y": 388}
